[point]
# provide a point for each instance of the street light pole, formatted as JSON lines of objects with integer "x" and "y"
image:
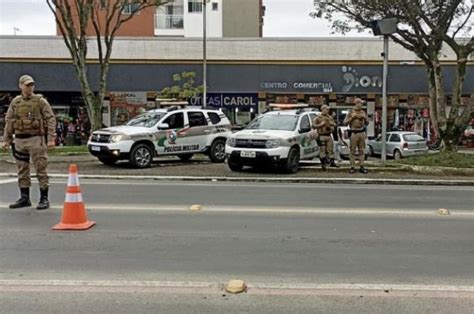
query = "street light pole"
{"x": 204, "y": 57}
{"x": 384, "y": 100}
{"x": 384, "y": 27}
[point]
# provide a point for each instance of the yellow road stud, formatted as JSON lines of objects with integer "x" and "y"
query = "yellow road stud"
{"x": 236, "y": 286}
{"x": 443, "y": 211}
{"x": 195, "y": 208}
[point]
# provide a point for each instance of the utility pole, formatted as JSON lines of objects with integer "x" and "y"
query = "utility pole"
{"x": 204, "y": 57}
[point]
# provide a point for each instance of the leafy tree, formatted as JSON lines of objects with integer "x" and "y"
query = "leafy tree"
{"x": 76, "y": 19}
{"x": 426, "y": 27}
{"x": 184, "y": 87}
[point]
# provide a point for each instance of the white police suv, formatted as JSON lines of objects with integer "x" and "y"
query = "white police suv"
{"x": 280, "y": 138}
{"x": 160, "y": 132}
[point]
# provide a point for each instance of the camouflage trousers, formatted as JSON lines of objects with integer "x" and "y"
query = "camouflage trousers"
{"x": 358, "y": 147}
{"x": 38, "y": 151}
{"x": 327, "y": 146}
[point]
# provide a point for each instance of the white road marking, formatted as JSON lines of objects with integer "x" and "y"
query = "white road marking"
{"x": 131, "y": 286}
{"x": 6, "y": 181}
{"x": 267, "y": 210}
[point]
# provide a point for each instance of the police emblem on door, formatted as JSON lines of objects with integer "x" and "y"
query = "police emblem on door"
{"x": 171, "y": 136}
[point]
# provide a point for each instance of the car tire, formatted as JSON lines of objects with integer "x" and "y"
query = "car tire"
{"x": 217, "y": 151}
{"x": 185, "y": 157}
{"x": 108, "y": 161}
{"x": 371, "y": 151}
{"x": 234, "y": 166}
{"x": 397, "y": 155}
{"x": 292, "y": 163}
{"x": 141, "y": 156}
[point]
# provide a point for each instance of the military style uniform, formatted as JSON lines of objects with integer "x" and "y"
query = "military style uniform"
{"x": 357, "y": 121}
{"x": 325, "y": 126}
{"x": 31, "y": 120}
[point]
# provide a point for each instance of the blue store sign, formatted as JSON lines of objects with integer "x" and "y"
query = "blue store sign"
{"x": 218, "y": 100}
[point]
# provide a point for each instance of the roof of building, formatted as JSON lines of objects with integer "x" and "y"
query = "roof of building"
{"x": 218, "y": 49}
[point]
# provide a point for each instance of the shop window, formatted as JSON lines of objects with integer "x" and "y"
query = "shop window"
{"x": 196, "y": 119}
{"x": 175, "y": 121}
{"x": 215, "y": 119}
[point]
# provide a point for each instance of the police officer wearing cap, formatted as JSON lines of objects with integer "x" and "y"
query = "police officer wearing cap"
{"x": 29, "y": 129}
{"x": 357, "y": 121}
{"x": 325, "y": 125}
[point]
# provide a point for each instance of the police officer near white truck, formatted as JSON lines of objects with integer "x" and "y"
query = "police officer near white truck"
{"x": 32, "y": 122}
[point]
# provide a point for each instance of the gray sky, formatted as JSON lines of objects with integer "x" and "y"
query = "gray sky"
{"x": 284, "y": 18}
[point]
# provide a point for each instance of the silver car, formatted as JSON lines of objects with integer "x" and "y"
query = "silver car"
{"x": 399, "y": 144}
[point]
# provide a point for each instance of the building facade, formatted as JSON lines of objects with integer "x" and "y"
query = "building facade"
{"x": 184, "y": 18}
{"x": 244, "y": 76}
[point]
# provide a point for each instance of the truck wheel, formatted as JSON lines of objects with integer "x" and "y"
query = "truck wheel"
{"x": 141, "y": 156}
{"x": 185, "y": 157}
{"x": 292, "y": 163}
{"x": 108, "y": 161}
{"x": 217, "y": 151}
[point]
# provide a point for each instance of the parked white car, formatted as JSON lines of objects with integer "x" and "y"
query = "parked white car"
{"x": 344, "y": 143}
{"x": 161, "y": 132}
{"x": 400, "y": 144}
{"x": 278, "y": 138}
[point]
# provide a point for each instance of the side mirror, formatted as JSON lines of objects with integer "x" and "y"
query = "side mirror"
{"x": 305, "y": 129}
{"x": 163, "y": 126}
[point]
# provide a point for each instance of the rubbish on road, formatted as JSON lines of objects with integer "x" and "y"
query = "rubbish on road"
{"x": 236, "y": 286}
{"x": 443, "y": 211}
{"x": 196, "y": 208}
{"x": 74, "y": 216}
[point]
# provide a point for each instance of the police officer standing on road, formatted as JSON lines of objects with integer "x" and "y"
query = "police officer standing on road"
{"x": 357, "y": 121}
{"x": 325, "y": 125}
{"x": 32, "y": 121}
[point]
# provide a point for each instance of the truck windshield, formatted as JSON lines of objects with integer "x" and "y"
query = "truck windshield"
{"x": 281, "y": 122}
{"x": 147, "y": 119}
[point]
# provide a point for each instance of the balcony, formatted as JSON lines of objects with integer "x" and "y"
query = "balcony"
{"x": 169, "y": 25}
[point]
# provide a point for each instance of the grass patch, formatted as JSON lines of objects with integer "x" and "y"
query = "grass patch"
{"x": 443, "y": 159}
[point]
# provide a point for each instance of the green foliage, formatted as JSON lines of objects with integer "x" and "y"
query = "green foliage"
{"x": 184, "y": 87}
{"x": 443, "y": 159}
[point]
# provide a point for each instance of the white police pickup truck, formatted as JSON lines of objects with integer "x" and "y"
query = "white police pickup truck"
{"x": 279, "y": 138}
{"x": 161, "y": 132}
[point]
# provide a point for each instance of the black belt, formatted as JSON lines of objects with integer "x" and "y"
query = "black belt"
{"x": 357, "y": 131}
{"x": 23, "y": 136}
{"x": 325, "y": 134}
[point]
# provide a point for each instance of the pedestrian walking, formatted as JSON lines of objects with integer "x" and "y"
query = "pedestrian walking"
{"x": 325, "y": 125}
{"x": 357, "y": 121}
{"x": 30, "y": 125}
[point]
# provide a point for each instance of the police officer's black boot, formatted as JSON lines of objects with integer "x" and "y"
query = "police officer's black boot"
{"x": 43, "y": 203}
{"x": 333, "y": 164}
{"x": 24, "y": 200}
{"x": 323, "y": 163}
{"x": 363, "y": 170}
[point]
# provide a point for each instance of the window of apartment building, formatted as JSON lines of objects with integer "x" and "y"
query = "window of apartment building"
{"x": 215, "y": 6}
{"x": 130, "y": 8}
{"x": 194, "y": 6}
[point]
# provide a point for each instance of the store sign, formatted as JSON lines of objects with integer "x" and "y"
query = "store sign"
{"x": 227, "y": 100}
{"x": 353, "y": 79}
{"x": 324, "y": 87}
{"x": 130, "y": 98}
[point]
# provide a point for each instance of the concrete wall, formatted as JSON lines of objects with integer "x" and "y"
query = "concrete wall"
{"x": 241, "y": 18}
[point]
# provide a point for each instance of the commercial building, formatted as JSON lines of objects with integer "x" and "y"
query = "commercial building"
{"x": 244, "y": 75}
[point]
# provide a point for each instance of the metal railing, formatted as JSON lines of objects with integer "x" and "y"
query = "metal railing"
{"x": 169, "y": 21}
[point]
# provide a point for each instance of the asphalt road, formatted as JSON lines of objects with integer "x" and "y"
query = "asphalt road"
{"x": 300, "y": 248}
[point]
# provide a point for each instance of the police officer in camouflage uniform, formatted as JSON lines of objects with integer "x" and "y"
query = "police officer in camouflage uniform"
{"x": 325, "y": 125}
{"x": 357, "y": 121}
{"x": 32, "y": 121}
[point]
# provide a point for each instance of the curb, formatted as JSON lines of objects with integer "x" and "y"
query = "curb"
{"x": 366, "y": 181}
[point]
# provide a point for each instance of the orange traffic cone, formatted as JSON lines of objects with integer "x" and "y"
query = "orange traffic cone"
{"x": 74, "y": 214}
